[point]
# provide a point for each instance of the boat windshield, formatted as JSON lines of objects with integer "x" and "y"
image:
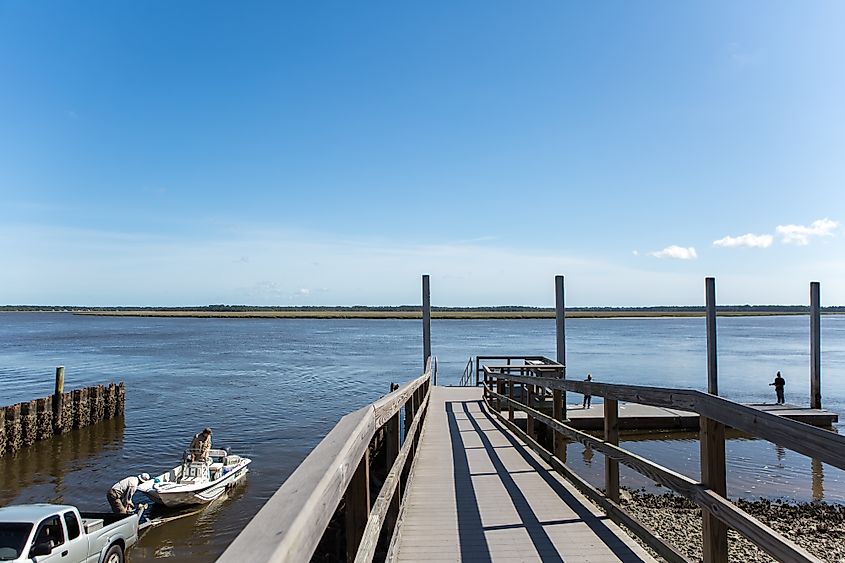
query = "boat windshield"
{"x": 13, "y": 536}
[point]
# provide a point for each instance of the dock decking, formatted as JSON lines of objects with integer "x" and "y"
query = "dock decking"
{"x": 646, "y": 417}
{"x": 478, "y": 495}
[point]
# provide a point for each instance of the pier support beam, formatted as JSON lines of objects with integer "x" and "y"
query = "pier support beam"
{"x": 611, "y": 436}
{"x": 815, "y": 347}
{"x": 357, "y": 500}
{"x": 560, "y": 331}
{"x": 714, "y": 531}
{"x": 426, "y": 318}
{"x": 712, "y": 371}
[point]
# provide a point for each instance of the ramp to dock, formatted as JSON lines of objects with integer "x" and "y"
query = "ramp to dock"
{"x": 477, "y": 494}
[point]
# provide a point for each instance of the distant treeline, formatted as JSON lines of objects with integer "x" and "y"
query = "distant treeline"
{"x": 413, "y": 308}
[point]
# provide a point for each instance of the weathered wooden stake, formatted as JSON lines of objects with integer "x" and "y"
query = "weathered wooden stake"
{"x": 815, "y": 347}
{"x": 560, "y": 331}
{"x": 714, "y": 531}
{"x": 60, "y": 380}
{"x": 712, "y": 371}
{"x": 426, "y": 316}
{"x": 611, "y": 435}
{"x": 357, "y": 506}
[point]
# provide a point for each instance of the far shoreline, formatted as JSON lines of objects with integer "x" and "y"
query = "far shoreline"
{"x": 437, "y": 315}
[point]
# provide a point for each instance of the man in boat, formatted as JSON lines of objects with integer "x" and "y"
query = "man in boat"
{"x": 120, "y": 495}
{"x": 200, "y": 446}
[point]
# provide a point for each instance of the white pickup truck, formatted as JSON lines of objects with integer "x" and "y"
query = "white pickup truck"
{"x": 54, "y": 533}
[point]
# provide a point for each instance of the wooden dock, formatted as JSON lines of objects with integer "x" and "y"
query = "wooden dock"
{"x": 646, "y": 417}
{"x": 477, "y": 494}
{"x": 428, "y": 473}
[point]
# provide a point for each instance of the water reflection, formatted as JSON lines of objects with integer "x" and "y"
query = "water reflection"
{"x": 755, "y": 468}
{"x": 42, "y": 472}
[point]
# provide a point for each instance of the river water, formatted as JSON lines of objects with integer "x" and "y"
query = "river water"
{"x": 271, "y": 388}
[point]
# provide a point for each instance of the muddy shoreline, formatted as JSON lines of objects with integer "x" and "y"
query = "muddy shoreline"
{"x": 818, "y": 527}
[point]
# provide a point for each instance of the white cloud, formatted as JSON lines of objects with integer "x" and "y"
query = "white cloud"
{"x": 304, "y": 292}
{"x": 749, "y": 240}
{"x": 800, "y": 234}
{"x": 676, "y": 253}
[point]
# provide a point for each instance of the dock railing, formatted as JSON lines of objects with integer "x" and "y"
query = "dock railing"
{"x": 537, "y": 382}
{"x": 332, "y": 507}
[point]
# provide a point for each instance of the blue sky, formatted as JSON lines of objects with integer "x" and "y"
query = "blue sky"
{"x": 161, "y": 153}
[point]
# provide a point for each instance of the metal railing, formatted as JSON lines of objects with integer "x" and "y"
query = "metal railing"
{"x": 468, "y": 375}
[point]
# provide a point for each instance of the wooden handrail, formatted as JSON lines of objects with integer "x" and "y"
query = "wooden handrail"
{"x": 369, "y": 541}
{"x": 817, "y": 443}
{"x": 292, "y": 522}
{"x": 761, "y": 535}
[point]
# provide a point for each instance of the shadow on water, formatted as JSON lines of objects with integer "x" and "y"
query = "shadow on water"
{"x": 43, "y": 471}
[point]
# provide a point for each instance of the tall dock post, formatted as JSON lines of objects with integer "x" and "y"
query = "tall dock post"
{"x": 426, "y": 317}
{"x": 815, "y": 347}
{"x": 712, "y": 442}
{"x": 712, "y": 372}
{"x": 560, "y": 330}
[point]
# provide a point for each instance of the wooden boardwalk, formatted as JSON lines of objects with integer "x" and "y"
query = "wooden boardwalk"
{"x": 477, "y": 494}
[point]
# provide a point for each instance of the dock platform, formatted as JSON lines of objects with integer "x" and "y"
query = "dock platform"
{"x": 646, "y": 417}
{"x": 477, "y": 494}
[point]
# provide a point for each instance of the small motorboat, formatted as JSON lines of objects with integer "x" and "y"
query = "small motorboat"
{"x": 197, "y": 482}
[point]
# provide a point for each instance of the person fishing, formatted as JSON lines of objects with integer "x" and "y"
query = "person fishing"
{"x": 120, "y": 494}
{"x": 779, "y": 383}
{"x": 200, "y": 446}
{"x": 587, "y": 396}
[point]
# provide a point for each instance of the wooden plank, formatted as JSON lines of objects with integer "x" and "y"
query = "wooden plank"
{"x": 761, "y": 535}
{"x": 357, "y": 501}
{"x": 611, "y": 436}
{"x": 557, "y": 410}
{"x": 714, "y": 531}
{"x": 616, "y": 513}
{"x": 476, "y": 494}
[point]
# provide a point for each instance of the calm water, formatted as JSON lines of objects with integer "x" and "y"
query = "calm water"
{"x": 271, "y": 388}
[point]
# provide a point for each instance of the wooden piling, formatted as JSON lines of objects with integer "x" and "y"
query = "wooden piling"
{"x": 815, "y": 347}
{"x": 426, "y": 316}
{"x": 560, "y": 333}
{"x": 60, "y": 380}
{"x": 712, "y": 371}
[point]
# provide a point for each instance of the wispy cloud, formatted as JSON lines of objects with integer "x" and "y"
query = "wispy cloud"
{"x": 750, "y": 240}
{"x": 675, "y": 252}
{"x": 801, "y": 234}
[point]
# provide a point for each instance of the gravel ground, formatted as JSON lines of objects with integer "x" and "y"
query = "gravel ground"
{"x": 817, "y": 527}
